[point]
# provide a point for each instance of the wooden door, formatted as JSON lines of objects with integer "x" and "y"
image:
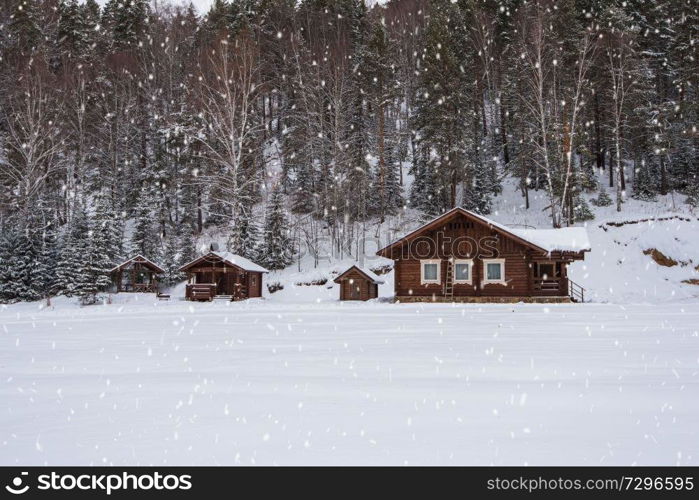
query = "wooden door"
{"x": 221, "y": 284}
{"x": 355, "y": 290}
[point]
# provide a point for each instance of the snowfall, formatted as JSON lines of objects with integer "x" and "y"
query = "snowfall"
{"x": 300, "y": 378}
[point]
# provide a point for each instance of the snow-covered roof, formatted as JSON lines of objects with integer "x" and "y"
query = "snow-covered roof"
{"x": 566, "y": 239}
{"x": 371, "y": 275}
{"x": 241, "y": 262}
{"x": 232, "y": 259}
{"x": 141, "y": 260}
{"x": 571, "y": 239}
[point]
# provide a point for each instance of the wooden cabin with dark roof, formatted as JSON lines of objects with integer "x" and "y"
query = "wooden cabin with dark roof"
{"x": 137, "y": 274}
{"x": 358, "y": 284}
{"x": 223, "y": 275}
{"x": 465, "y": 257}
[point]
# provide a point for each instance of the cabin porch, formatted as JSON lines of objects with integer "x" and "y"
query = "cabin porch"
{"x": 221, "y": 283}
{"x": 550, "y": 279}
{"x": 136, "y": 275}
{"x": 218, "y": 284}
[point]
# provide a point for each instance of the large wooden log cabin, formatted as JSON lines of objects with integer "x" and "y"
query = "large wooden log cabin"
{"x": 462, "y": 256}
{"x": 137, "y": 274}
{"x": 223, "y": 275}
{"x": 358, "y": 284}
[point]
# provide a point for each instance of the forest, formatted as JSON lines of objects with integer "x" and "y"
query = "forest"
{"x": 135, "y": 127}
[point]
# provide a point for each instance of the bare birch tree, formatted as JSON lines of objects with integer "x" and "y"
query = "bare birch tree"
{"x": 229, "y": 86}
{"x": 619, "y": 58}
{"x": 33, "y": 139}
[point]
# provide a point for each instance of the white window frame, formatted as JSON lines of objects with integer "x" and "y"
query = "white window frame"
{"x": 470, "y": 271}
{"x": 502, "y": 280}
{"x": 423, "y": 281}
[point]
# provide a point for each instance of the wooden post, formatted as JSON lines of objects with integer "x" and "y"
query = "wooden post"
{"x": 477, "y": 275}
{"x": 530, "y": 272}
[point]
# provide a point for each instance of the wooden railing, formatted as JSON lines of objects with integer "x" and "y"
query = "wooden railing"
{"x": 576, "y": 292}
{"x": 140, "y": 287}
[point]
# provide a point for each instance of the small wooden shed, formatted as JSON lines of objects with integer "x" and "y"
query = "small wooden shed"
{"x": 358, "y": 284}
{"x": 137, "y": 274}
{"x": 223, "y": 275}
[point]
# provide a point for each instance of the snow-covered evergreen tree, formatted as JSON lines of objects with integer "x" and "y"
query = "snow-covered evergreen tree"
{"x": 581, "y": 210}
{"x": 244, "y": 239}
{"x": 145, "y": 239}
{"x": 47, "y": 261}
{"x": 18, "y": 256}
{"x": 74, "y": 247}
{"x": 277, "y": 249}
{"x": 603, "y": 199}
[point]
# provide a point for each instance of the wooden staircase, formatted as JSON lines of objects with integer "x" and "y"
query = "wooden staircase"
{"x": 449, "y": 283}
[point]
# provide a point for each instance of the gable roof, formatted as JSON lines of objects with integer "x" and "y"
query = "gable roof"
{"x": 141, "y": 260}
{"x": 230, "y": 259}
{"x": 572, "y": 239}
{"x": 366, "y": 272}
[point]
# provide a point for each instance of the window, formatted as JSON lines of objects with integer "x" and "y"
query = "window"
{"x": 429, "y": 271}
{"x": 462, "y": 271}
{"x": 494, "y": 271}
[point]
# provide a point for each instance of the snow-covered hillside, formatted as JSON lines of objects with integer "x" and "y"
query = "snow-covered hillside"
{"x": 616, "y": 270}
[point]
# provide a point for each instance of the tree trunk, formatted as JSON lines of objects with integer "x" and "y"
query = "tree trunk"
{"x": 663, "y": 176}
{"x": 599, "y": 154}
{"x": 381, "y": 133}
{"x": 619, "y": 169}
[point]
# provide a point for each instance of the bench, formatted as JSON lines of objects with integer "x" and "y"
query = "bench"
{"x": 203, "y": 291}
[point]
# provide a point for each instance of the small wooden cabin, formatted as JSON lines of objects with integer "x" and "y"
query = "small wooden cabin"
{"x": 137, "y": 274}
{"x": 462, "y": 256}
{"x": 223, "y": 275}
{"x": 358, "y": 284}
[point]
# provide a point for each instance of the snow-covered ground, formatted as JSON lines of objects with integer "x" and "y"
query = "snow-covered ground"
{"x": 300, "y": 378}
{"x": 300, "y": 382}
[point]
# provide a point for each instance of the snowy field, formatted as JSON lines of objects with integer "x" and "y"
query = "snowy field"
{"x": 268, "y": 382}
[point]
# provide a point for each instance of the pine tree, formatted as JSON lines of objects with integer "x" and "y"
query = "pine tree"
{"x": 128, "y": 21}
{"x": 477, "y": 195}
{"x": 646, "y": 182}
{"x": 442, "y": 105}
{"x": 581, "y": 210}
{"x": 90, "y": 275}
{"x": 380, "y": 89}
{"x": 145, "y": 238}
{"x": 103, "y": 256}
{"x": 603, "y": 199}
{"x": 47, "y": 261}
{"x": 693, "y": 194}
{"x": 277, "y": 248}
{"x": 25, "y": 27}
{"x": 18, "y": 257}
{"x": 72, "y": 30}
{"x": 245, "y": 236}
{"x": 187, "y": 245}
{"x": 171, "y": 258}
{"x": 73, "y": 247}
{"x": 7, "y": 244}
